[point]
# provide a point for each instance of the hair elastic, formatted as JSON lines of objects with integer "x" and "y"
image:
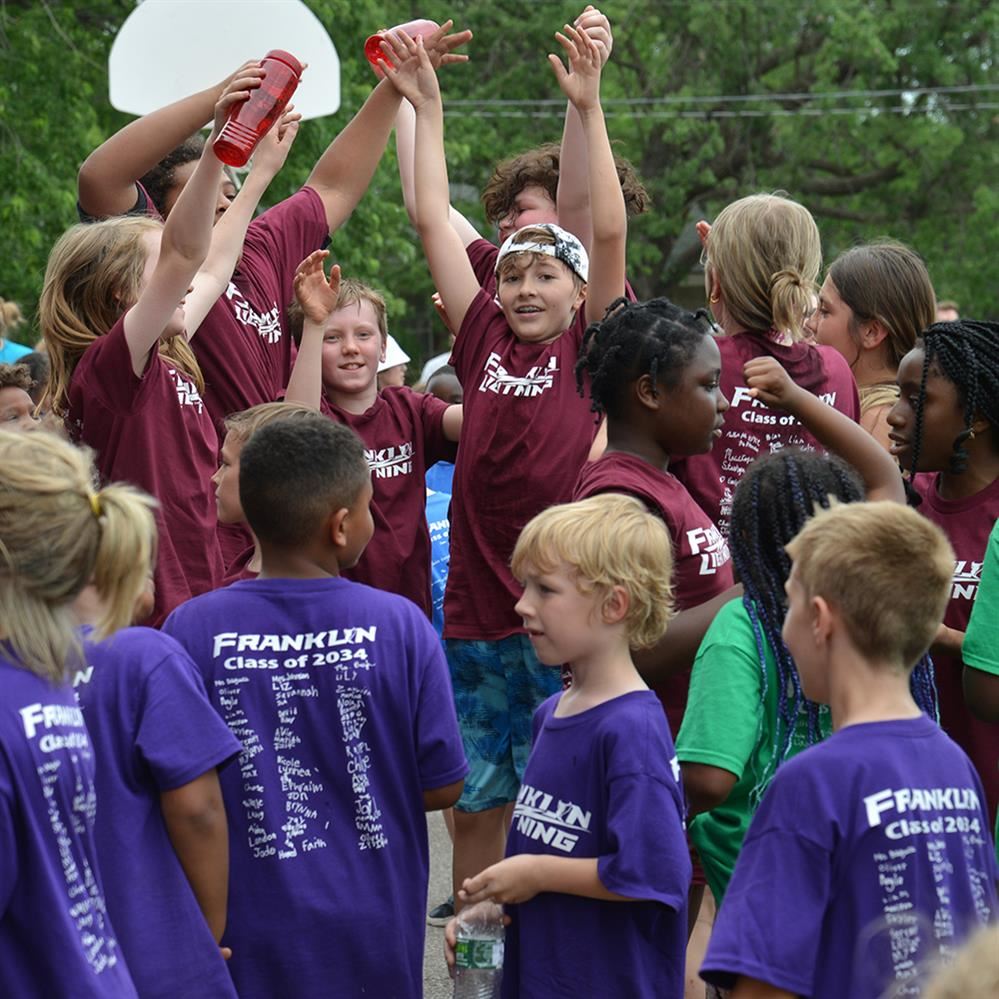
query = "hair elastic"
{"x": 95, "y": 503}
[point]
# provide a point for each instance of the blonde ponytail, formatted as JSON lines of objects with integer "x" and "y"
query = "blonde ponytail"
{"x": 56, "y": 534}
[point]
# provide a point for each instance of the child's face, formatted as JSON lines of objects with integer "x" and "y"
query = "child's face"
{"x": 177, "y": 323}
{"x": 182, "y": 174}
{"x": 447, "y": 388}
{"x": 353, "y": 346}
{"x": 17, "y": 411}
{"x": 830, "y": 323}
{"x": 226, "y": 481}
{"x": 799, "y": 636}
{"x": 532, "y": 206}
{"x": 564, "y": 624}
{"x": 943, "y": 415}
{"x": 538, "y": 299}
{"x": 691, "y": 413}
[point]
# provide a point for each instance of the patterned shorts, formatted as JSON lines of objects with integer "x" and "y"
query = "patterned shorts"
{"x": 498, "y": 685}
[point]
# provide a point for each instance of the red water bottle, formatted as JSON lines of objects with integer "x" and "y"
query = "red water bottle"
{"x": 373, "y": 46}
{"x": 249, "y": 121}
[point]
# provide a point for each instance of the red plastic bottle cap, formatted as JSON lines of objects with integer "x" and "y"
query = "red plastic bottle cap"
{"x": 287, "y": 58}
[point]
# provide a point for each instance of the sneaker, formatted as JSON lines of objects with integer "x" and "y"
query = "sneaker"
{"x": 441, "y": 915}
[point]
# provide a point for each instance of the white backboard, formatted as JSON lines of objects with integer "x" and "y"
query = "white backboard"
{"x": 168, "y": 49}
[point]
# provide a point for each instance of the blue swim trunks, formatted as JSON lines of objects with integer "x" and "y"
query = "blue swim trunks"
{"x": 498, "y": 685}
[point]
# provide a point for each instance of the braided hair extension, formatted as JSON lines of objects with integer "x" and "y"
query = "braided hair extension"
{"x": 656, "y": 338}
{"x": 775, "y": 497}
{"x": 966, "y": 352}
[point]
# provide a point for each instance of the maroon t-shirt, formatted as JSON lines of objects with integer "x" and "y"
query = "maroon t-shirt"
{"x": 525, "y": 436}
{"x": 752, "y": 428}
{"x": 155, "y": 433}
{"x": 967, "y": 524}
{"x": 702, "y": 566}
{"x": 403, "y": 435}
{"x": 244, "y": 352}
{"x": 238, "y": 569}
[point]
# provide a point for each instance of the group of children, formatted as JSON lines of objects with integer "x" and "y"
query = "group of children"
{"x": 231, "y": 800}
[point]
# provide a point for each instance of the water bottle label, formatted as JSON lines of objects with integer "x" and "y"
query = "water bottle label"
{"x": 484, "y": 954}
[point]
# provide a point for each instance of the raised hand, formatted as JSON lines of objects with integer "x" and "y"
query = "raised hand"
{"x": 594, "y": 23}
{"x": 440, "y": 45}
{"x": 409, "y": 68}
{"x": 581, "y": 82}
{"x": 317, "y": 295}
{"x": 273, "y": 149}
{"x": 237, "y": 89}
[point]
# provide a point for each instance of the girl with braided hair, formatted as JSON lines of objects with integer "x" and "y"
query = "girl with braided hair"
{"x": 746, "y": 712}
{"x": 945, "y": 435}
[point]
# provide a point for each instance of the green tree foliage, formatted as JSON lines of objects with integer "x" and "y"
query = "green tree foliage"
{"x": 880, "y": 115}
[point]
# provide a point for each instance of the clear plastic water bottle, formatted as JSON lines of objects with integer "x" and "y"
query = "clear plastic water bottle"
{"x": 478, "y": 956}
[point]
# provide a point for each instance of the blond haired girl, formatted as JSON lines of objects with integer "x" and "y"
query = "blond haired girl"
{"x": 57, "y": 533}
{"x": 123, "y": 376}
{"x": 761, "y": 260}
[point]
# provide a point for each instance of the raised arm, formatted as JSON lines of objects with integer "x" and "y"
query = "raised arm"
{"x": 771, "y": 384}
{"x": 196, "y": 824}
{"x": 573, "y": 197}
{"x": 227, "y": 237}
{"x": 415, "y": 78}
{"x": 106, "y": 181}
{"x": 405, "y": 153}
{"x": 344, "y": 171}
{"x": 581, "y": 85}
{"x": 182, "y": 249}
{"x": 318, "y": 298}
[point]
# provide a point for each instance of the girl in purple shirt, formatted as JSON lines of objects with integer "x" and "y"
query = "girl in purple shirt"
{"x": 56, "y": 534}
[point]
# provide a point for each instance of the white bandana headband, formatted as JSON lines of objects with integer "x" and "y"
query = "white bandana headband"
{"x": 566, "y": 248}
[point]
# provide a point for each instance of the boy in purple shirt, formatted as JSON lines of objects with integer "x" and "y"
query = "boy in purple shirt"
{"x": 340, "y": 696}
{"x": 596, "y": 873}
{"x": 870, "y": 852}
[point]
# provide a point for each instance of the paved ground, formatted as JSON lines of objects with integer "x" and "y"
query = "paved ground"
{"x": 436, "y": 984}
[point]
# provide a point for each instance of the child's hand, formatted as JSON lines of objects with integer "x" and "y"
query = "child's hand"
{"x": 450, "y": 943}
{"x": 440, "y": 45}
{"x": 409, "y": 69}
{"x": 511, "y": 880}
{"x": 770, "y": 383}
{"x": 442, "y": 312}
{"x": 317, "y": 295}
{"x": 595, "y": 24}
{"x": 581, "y": 82}
{"x": 246, "y": 79}
{"x": 273, "y": 149}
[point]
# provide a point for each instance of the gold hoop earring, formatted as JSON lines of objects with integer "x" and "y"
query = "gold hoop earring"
{"x": 714, "y": 299}
{"x": 971, "y": 434}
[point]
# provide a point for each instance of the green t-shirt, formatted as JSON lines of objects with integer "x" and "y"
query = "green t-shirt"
{"x": 725, "y": 725}
{"x": 981, "y": 640}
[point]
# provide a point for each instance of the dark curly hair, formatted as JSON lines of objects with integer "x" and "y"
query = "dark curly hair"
{"x": 539, "y": 167}
{"x": 160, "y": 180}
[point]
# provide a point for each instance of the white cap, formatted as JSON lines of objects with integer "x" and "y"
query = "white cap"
{"x": 566, "y": 248}
{"x": 394, "y": 355}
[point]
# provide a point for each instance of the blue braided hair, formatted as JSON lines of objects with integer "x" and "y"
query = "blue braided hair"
{"x": 774, "y": 498}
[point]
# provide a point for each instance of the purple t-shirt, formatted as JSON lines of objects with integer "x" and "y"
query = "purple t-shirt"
{"x": 525, "y": 435}
{"x": 967, "y": 524}
{"x": 153, "y": 730}
{"x": 242, "y": 347}
{"x": 341, "y": 697}
{"x": 155, "y": 433}
{"x": 702, "y": 566}
{"x": 603, "y": 783}
{"x": 752, "y": 428}
{"x": 403, "y": 435}
{"x": 869, "y": 853}
{"x": 56, "y": 938}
